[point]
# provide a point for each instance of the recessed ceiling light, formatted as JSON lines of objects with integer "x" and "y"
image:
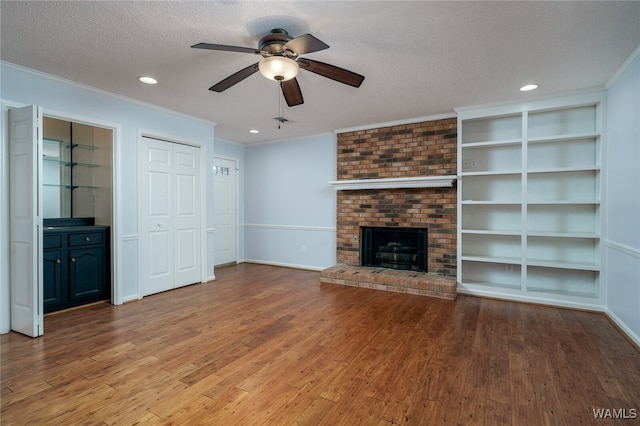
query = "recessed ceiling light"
{"x": 148, "y": 80}
{"x": 528, "y": 87}
{"x": 255, "y": 131}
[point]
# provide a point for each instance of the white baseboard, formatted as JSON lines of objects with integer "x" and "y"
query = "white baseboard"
{"x": 623, "y": 327}
{"x": 286, "y": 265}
{"x": 130, "y": 299}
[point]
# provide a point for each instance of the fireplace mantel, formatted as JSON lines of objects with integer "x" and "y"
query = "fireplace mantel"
{"x": 393, "y": 183}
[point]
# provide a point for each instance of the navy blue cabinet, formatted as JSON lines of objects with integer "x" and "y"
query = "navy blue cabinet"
{"x": 76, "y": 266}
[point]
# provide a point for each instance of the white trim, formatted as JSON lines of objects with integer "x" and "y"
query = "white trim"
{"x": 574, "y": 302}
{"x": 631, "y": 251}
{"x": 588, "y": 96}
{"x": 236, "y": 161}
{"x": 165, "y": 137}
{"x": 284, "y": 265}
{"x": 397, "y": 122}
{"x": 116, "y": 206}
{"x": 627, "y": 62}
{"x": 289, "y": 227}
{"x": 102, "y": 92}
{"x": 623, "y": 327}
{"x": 394, "y": 183}
{"x": 130, "y": 298}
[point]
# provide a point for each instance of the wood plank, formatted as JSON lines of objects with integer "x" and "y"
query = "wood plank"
{"x": 269, "y": 345}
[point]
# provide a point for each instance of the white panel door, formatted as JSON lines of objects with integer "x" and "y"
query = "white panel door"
{"x": 186, "y": 215}
{"x": 26, "y": 220}
{"x": 156, "y": 164}
{"x": 224, "y": 179}
{"x": 170, "y": 215}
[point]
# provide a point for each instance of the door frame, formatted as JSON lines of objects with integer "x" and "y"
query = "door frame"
{"x": 203, "y": 197}
{"x": 116, "y": 206}
{"x": 237, "y": 206}
{"x": 116, "y": 241}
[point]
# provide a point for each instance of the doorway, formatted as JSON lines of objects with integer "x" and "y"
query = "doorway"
{"x": 225, "y": 211}
{"x": 26, "y": 193}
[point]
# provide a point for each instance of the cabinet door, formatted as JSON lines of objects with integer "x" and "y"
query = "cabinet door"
{"x": 54, "y": 278}
{"x": 86, "y": 273}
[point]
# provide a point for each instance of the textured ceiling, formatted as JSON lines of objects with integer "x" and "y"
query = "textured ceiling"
{"x": 419, "y": 58}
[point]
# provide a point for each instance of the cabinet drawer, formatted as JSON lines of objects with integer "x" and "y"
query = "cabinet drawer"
{"x": 52, "y": 241}
{"x": 86, "y": 238}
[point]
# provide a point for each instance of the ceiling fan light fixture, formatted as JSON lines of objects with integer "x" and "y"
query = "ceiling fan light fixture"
{"x": 278, "y": 68}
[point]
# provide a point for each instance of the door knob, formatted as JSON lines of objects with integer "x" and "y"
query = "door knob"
{"x": 58, "y": 261}
{"x": 73, "y": 260}
{"x": 87, "y": 239}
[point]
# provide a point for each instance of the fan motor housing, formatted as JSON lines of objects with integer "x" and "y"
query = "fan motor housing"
{"x": 273, "y": 43}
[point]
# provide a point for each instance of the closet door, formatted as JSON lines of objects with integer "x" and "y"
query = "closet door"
{"x": 170, "y": 215}
{"x": 186, "y": 178}
{"x": 156, "y": 165}
{"x": 25, "y": 125}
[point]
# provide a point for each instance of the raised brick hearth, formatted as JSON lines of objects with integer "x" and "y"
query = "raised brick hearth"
{"x": 404, "y": 151}
{"x": 420, "y": 283}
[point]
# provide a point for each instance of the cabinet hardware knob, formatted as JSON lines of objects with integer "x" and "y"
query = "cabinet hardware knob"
{"x": 58, "y": 261}
{"x": 73, "y": 259}
{"x": 87, "y": 239}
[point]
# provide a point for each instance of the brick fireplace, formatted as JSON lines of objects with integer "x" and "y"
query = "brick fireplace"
{"x": 399, "y": 168}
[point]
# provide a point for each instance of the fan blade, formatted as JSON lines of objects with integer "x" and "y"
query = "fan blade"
{"x": 305, "y": 44}
{"x": 225, "y": 48}
{"x": 331, "y": 71}
{"x": 235, "y": 78}
{"x": 292, "y": 93}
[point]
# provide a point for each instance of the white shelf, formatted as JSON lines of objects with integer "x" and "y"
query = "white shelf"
{"x": 503, "y": 129}
{"x": 563, "y": 202}
{"x": 564, "y": 169}
{"x": 502, "y": 188}
{"x": 529, "y": 192}
{"x": 562, "y": 138}
{"x": 485, "y": 144}
{"x": 488, "y": 232}
{"x": 492, "y": 173}
{"x": 584, "y": 266}
{"x": 563, "y": 234}
{"x": 489, "y": 202}
{"x": 493, "y": 259}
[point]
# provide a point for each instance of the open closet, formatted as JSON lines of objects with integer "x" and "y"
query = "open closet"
{"x": 77, "y": 213}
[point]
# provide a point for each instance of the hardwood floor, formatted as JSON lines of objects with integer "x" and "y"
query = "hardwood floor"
{"x": 265, "y": 345}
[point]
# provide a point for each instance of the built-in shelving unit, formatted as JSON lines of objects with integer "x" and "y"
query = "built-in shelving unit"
{"x": 68, "y": 177}
{"x": 529, "y": 179}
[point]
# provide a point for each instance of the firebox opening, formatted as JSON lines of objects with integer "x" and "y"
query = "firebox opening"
{"x": 394, "y": 248}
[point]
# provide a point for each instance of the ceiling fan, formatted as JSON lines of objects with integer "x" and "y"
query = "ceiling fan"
{"x": 281, "y": 62}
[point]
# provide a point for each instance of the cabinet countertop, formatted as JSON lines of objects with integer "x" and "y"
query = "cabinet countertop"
{"x": 81, "y": 228}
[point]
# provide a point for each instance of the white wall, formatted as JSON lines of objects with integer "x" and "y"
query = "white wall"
{"x": 622, "y": 243}
{"x": 19, "y": 86}
{"x": 290, "y": 207}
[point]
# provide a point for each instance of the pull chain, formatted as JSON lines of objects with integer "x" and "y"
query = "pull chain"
{"x": 280, "y": 111}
